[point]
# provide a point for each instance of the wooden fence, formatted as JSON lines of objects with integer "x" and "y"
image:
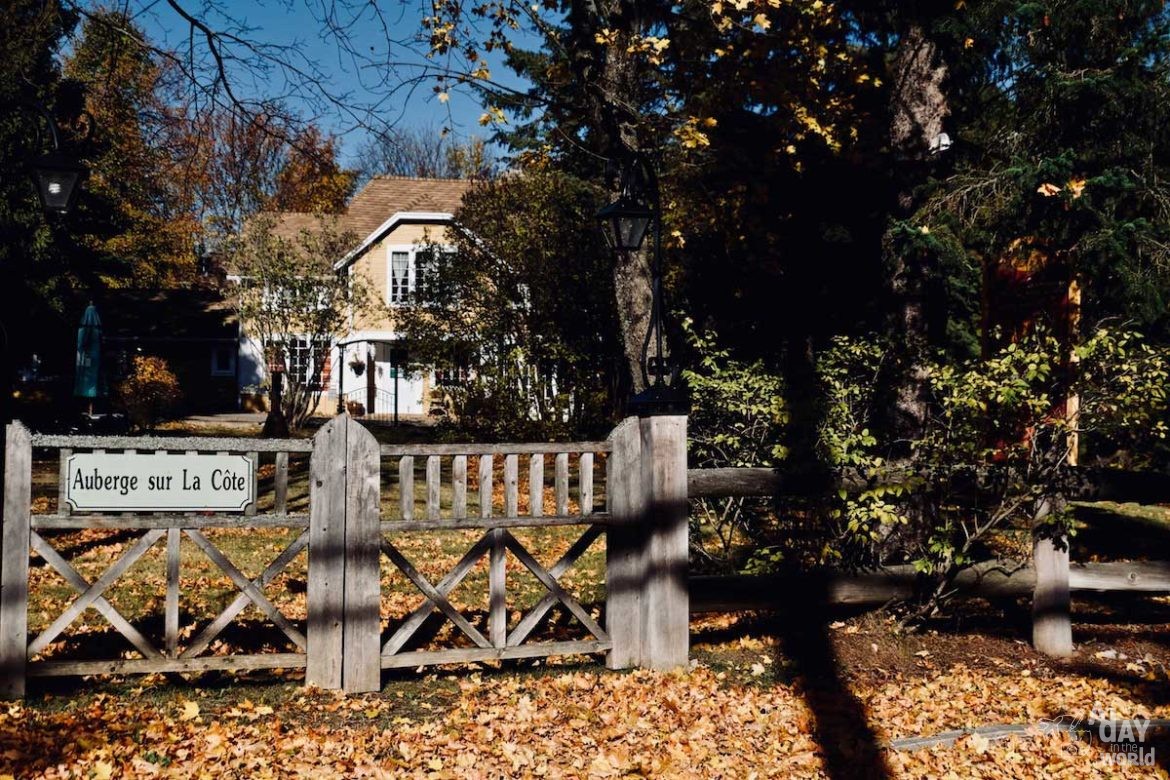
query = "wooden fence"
{"x": 1050, "y": 579}
{"x": 340, "y": 643}
{"x": 638, "y": 509}
{"x": 24, "y": 531}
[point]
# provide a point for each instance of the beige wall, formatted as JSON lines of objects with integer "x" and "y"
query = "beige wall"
{"x": 372, "y": 267}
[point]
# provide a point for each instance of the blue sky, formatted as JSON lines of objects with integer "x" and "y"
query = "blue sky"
{"x": 295, "y": 23}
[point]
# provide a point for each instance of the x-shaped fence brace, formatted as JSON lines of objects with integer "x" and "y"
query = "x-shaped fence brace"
{"x": 91, "y": 593}
{"x": 436, "y": 596}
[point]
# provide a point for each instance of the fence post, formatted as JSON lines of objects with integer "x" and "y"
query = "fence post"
{"x": 1051, "y": 604}
{"x": 362, "y": 665}
{"x": 624, "y": 545}
{"x": 665, "y": 602}
{"x": 326, "y": 592}
{"x": 14, "y": 561}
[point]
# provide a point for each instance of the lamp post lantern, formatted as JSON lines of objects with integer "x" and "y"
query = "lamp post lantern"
{"x": 626, "y": 221}
{"x": 57, "y": 176}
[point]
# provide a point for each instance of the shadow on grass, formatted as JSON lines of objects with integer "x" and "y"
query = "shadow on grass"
{"x": 807, "y": 659}
{"x": 850, "y": 748}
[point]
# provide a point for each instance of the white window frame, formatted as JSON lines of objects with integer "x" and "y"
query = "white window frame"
{"x": 327, "y": 345}
{"x": 411, "y": 251}
{"x": 231, "y": 351}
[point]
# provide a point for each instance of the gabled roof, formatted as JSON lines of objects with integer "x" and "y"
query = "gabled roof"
{"x": 383, "y": 204}
{"x": 389, "y": 201}
{"x": 385, "y": 196}
{"x": 289, "y": 225}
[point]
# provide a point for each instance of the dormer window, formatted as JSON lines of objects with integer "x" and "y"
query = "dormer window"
{"x": 407, "y": 267}
{"x": 400, "y": 281}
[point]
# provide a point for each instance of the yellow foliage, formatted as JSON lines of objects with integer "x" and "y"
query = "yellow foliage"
{"x": 690, "y": 136}
{"x": 149, "y": 392}
{"x": 651, "y": 46}
{"x": 494, "y": 115}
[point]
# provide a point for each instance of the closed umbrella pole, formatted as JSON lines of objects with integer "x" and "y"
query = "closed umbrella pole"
{"x": 87, "y": 380}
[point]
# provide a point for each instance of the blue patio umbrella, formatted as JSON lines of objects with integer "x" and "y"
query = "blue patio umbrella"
{"x": 87, "y": 383}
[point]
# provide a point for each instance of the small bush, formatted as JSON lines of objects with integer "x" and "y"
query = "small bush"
{"x": 738, "y": 414}
{"x": 149, "y": 393}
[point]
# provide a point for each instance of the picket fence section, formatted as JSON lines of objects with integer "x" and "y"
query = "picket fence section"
{"x": 349, "y": 540}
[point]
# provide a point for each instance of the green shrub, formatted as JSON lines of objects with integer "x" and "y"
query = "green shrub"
{"x": 992, "y": 459}
{"x": 738, "y": 412}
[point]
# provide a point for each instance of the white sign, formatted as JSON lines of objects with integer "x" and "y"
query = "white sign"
{"x": 146, "y": 482}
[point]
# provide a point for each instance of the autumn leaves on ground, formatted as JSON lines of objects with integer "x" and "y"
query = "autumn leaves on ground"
{"x": 801, "y": 694}
{"x": 741, "y": 710}
{"x": 771, "y": 696}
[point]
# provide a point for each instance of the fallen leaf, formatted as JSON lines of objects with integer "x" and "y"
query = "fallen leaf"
{"x": 190, "y": 710}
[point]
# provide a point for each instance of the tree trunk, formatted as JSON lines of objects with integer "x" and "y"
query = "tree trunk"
{"x": 607, "y": 75}
{"x": 632, "y": 288}
{"x": 918, "y": 106}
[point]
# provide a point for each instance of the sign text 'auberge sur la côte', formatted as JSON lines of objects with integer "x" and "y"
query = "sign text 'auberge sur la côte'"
{"x": 159, "y": 482}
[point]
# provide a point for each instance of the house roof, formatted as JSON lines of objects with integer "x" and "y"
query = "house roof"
{"x": 289, "y": 224}
{"x": 385, "y": 196}
{"x": 381, "y": 205}
{"x": 167, "y": 315}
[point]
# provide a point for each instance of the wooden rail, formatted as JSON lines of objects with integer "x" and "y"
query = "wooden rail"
{"x": 1050, "y": 581}
{"x": 1077, "y": 483}
{"x": 19, "y": 654}
{"x": 642, "y": 519}
{"x": 171, "y": 443}
{"x": 546, "y": 448}
{"x": 999, "y": 579}
{"x": 498, "y": 466}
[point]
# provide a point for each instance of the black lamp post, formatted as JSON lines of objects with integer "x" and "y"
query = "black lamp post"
{"x": 56, "y": 178}
{"x": 56, "y": 175}
{"x": 626, "y": 222}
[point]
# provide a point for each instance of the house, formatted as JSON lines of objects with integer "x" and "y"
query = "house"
{"x": 368, "y": 370}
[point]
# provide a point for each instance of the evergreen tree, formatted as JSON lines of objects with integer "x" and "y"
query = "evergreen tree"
{"x": 1063, "y": 147}
{"x": 139, "y": 179}
{"x": 44, "y": 273}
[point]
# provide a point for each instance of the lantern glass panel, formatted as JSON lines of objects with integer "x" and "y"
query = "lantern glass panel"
{"x": 56, "y": 188}
{"x": 57, "y": 179}
{"x": 626, "y": 222}
{"x": 632, "y": 230}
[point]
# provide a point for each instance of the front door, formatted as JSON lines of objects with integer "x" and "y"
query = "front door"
{"x": 390, "y": 379}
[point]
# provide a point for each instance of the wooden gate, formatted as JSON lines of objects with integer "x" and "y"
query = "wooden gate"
{"x": 24, "y": 531}
{"x": 353, "y": 532}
